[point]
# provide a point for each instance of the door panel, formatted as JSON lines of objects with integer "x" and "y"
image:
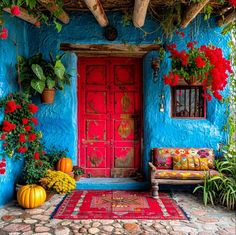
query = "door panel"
{"x": 110, "y": 117}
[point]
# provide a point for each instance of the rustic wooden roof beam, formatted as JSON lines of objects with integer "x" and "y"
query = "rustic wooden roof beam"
{"x": 24, "y": 15}
{"x": 192, "y": 11}
{"x": 97, "y": 10}
{"x": 228, "y": 18}
{"x": 52, "y": 6}
{"x": 124, "y": 50}
{"x": 140, "y": 11}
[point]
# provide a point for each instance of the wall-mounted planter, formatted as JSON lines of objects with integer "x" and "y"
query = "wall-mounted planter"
{"x": 47, "y": 97}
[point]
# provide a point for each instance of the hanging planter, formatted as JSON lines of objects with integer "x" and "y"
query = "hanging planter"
{"x": 47, "y": 97}
{"x": 204, "y": 66}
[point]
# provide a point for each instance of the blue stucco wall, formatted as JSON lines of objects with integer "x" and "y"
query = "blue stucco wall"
{"x": 159, "y": 128}
{"x": 17, "y": 41}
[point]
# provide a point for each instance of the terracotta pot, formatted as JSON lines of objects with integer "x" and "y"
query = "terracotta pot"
{"x": 77, "y": 177}
{"x": 47, "y": 97}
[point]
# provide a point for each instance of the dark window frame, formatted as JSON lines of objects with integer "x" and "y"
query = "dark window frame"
{"x": 201, "y": 101}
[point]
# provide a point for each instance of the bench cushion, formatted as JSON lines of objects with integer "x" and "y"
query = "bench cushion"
{"x": 162, "y": 157}
{"x": 182, "y": 174}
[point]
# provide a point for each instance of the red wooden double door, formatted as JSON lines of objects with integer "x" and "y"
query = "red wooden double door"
{"x": 110, "y": 116}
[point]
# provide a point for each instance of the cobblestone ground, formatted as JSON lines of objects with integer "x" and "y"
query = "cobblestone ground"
{"x": 203, "y": 221}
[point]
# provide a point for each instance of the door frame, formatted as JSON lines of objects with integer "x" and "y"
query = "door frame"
{"x": 79, "y": 91}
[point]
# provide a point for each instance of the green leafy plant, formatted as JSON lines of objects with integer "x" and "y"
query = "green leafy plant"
{"x": 34, "y": 170}
{"x": 78, "y": 170}
{"x": 36, "y": 73}
{"x": 221, "y": 188}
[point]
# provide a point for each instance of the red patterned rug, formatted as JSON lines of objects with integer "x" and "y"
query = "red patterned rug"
{"x": 95, "y": 204}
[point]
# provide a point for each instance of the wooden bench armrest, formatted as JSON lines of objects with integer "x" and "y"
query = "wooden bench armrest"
{"x": 152, "y": 166}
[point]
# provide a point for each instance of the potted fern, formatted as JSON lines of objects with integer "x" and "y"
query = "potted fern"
{"x": 36, "y": 75}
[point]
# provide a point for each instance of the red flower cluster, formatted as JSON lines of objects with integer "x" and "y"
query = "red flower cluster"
{"x": 32, "y": 137}
{"x": 25, "y": 121}
{"x": 27, "y": 128}
{"x": 36, "y": 155}
{"x": 7, "y": 126}
{"x": 21, "y": 138}
{"x": 218, "y": 72}
{"x": 200, "y": 63}
{"x": 22, "y": 149}
{"x": 4, "y": 33}
{"x": 232, "y": 3}
{"x": 205, "y": 64}
{"x": 34, "y": 120}
{"x": 171, "y": 79}
{"x": 33, "y": 108}
{"x": 10, "y": 106}
{"x": 15, "y": 10}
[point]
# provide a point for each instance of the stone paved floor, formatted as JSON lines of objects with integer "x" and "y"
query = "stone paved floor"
{"x": 203, "y": 221}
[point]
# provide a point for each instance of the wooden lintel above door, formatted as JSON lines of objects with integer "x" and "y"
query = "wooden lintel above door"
{"x": 129, "y": 50}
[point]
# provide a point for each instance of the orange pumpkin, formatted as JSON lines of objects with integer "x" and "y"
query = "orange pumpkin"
{"x": 65, "y": 165}
{"x": 31, "y": 196}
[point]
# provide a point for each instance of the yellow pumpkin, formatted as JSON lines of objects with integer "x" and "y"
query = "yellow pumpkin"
{"x": 65, "y": 165}
{"x": 31, "y": 196}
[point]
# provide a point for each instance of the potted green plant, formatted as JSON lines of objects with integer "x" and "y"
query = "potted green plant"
{"x": 36, "y": 75}
{"x": 78, "y": 172}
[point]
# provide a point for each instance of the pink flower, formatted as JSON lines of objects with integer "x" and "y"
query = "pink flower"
{"x": 4, "y": 33}
{"x": 15, "y": 10}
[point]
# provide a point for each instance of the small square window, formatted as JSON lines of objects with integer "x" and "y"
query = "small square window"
{"x": 188, "y": 102}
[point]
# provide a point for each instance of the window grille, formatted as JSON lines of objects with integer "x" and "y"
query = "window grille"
{"x": 188, "y": 102}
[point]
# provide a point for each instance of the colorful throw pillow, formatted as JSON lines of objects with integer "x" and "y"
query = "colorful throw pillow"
{"x": 162, "y": 160}
{"x": 190, "y": 163}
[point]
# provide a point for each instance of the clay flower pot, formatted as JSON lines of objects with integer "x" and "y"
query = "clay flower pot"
{"x": 47, "y": 97}
{"x": 77, "y": 177}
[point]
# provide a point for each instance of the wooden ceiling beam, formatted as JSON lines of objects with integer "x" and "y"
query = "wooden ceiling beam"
{"x": 140, "y": 11}
{"x": 97, "y": 10}
{"x": 125, "y": 50}
{"x": 192, "y": 11}
{"x": 24, "y": 15}
{"x": 52, "y": 6}
{"x": 228, "y": 18}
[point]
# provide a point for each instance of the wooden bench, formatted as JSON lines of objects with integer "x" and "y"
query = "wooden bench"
{"x": 162, "y": 171}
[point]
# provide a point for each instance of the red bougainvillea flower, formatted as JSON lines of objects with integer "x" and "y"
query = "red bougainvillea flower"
{"x": 5, "y": 144}
{"x": 25, "y": 121}
{"x": 18, "y": 106}
{"x": 15, "y": 10}
{"x": 171, "y": 79}
{"x": 34, "y": 120}
{"x": 32, "y": 137}
{"x": 217, "y": 95}
{"x": 37, "y": 155}
{"x": 232, "y": 3}
{"x": 27, "y": 128}
{"x": 200, "y": 62}
{"x": 3, "y": 136}
{"x": 3, "y": 163}
{"x": 22, "y": 149}
{"x": 21, "y": 138}
{"x": 10, "y": 106}
{"x": 7, "y": 126}
{"x": 40, "y": 163}
{"x": 4, "y": 33}
{"x": 33, "y": 108}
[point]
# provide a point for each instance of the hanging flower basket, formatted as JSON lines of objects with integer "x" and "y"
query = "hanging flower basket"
{"x": 204, "y": 66}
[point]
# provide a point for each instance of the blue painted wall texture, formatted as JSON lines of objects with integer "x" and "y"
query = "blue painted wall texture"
{"x": 18, "y": 40}
{"x": 58, "y": 122}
